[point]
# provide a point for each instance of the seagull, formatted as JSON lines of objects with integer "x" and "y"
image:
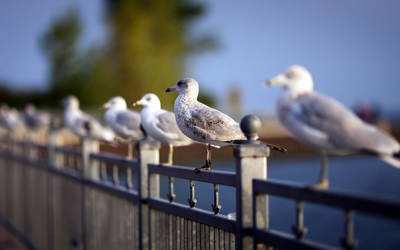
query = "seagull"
{"x": 124, "y": 122}
{"x": 82, "y": 124}
{"x": 34, "y": 119}
{"x": 11, "y": 119}
{"x": 326, "y": 125}
{"x": 201, "y": 123}
{"x": 161, "y": 124}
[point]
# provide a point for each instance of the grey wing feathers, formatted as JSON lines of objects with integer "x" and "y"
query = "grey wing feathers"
{"x": 130, "y": 120}
{"x": 167, "y": 123}
{"x": 217, "y": 125}
{"x": 343, "y": 127}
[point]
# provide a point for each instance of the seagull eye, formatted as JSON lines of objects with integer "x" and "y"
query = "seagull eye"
{"x": 290, "y": 74}
{"x": 148, "y": 99}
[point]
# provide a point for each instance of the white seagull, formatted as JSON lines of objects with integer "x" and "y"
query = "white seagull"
{"x": 202, "y": 123}
{"x": 124, "y": 122}
{"x": 11, "y": 119}
{"x": 82, "y": 124}
{"x": 326, "y": 125}
{"x": 161, "y": 125}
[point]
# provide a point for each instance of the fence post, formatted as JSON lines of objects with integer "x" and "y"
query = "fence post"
{"x": 148, "y": 152}
{"x": 90, "y": 169}
{"x": 32, "y": 151}
{"x": 251, "y": 163}
{"x": 54, "y": 140}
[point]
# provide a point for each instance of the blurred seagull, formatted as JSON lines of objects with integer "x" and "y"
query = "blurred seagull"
{"x": 326, "y": 125}
{"x": 35, "y": 119}
{"x": 161, "y": 124}
{"x": 124, "y": 122}
{"x": 82, "y": 124}
{"x": 11, "y": 119}
{"x": 202, "y": 123}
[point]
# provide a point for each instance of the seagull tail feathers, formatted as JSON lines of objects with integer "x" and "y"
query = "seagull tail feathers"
{"x": 394, "y": 161}
{"x": 272, "y": 146}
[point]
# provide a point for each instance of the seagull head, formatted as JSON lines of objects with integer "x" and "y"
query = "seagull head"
{"x": 70, "y": 102}
{"x": 117, "y": 103}
{"x": 149, "y": 100}
{"x": 186, "y": 86}
{"x": 296, "y": 79}
{"x": 30, "y": 109}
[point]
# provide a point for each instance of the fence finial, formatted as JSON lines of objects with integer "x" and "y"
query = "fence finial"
{"x": 250, "y": 125}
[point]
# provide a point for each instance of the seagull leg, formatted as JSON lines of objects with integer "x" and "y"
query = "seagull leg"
{"x": 323, "y": 182}
{"x": 170, "y": 154}
{"x": 207, "y": 166}
{"x": 130, "y": 149}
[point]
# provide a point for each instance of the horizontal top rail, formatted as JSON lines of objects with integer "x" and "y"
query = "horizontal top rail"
{"x": 213, "y": 176}
{"x": 383, "y": 207}
{"x": 68, "y": 150}
{"x": 114, "y": 159}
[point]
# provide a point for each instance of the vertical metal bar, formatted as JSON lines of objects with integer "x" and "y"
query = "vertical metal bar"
{"x": 202, "y": 236}
{"x": 216, "y": 238}
{"x": 103, "y": 170}
{"x": 299, "y": 230}
{"x": 115, "y": 175}
{"x": 171, "y": 232}
{"x": 197, "y": 235}
{"x": 226, "y": 240}
{"x": 221, "y": 239}
{"x": 158, "y": 236}
{"x": 192, "y": 199}
{"x": 232, "y": 238}
{"x": 348, "y": 241}
{"x": 190, "y": 238}
{"x": 129, "y": 182}
{"x": 182, "y": 229}
{"x": 185, "y": 234}
{"x": 211, "y": 238}
{"x": 216, "y": 206}
{"x": 194, "y": 236}
{"x": 207, "y": 237}
{"x": 152, "y": 227}
{"x": 171, "y": 194}
{"x": 165, "y": 233}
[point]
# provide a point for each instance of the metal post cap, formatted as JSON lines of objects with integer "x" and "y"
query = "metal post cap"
{"x": 250, "y": 125}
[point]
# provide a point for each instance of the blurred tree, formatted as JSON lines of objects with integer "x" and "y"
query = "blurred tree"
{"x": 84, "y": 73}
{"x": 149, "y": 44}
{"x": 59, "y": 44}
{"x": 146, "y": 52}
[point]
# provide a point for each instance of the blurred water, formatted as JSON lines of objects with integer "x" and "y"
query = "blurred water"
{"x": 360, "y": 174}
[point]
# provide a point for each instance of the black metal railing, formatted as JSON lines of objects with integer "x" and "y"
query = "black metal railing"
{"x": 349, "y": 203}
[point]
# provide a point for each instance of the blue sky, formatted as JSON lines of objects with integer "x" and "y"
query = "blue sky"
{"x": 350, "y": 47}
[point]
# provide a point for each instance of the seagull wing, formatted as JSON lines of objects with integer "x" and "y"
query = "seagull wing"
{"x": 128, "y": 122}
{"x": 212, "y": 124}
{"x": 342, "y": 128}
{"x": 166, "y": 124}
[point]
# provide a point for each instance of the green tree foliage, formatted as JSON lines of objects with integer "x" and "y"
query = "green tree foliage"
{"x": 149, "y": 44}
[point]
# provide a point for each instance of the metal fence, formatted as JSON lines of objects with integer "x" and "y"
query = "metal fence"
{"x": 56, "y": 197}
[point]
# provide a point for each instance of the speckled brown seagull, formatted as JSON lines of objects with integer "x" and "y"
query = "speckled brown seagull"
{"x": 202, "y": 123}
